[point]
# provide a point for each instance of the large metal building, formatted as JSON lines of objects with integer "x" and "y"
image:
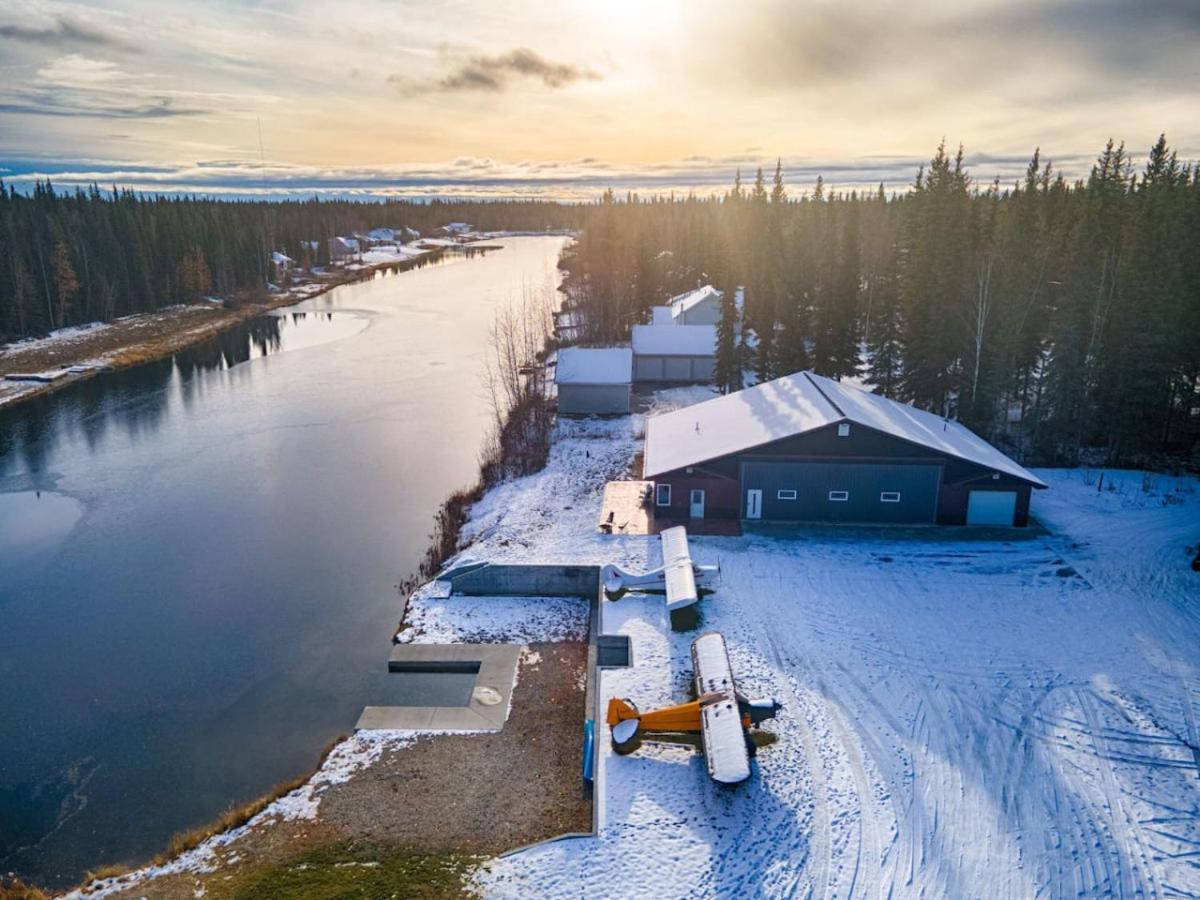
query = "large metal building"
{"x": 594, "y": 380}
{"x": 808, "y": 449}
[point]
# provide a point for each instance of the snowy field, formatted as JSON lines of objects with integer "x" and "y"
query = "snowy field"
{"x": 963, "y": 717}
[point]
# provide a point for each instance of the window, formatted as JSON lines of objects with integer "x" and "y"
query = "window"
{"x": 843, "y": 429}
{"x": 662, "y": 495}
{"x": 889, "y": 497}
{"x": 785, "y": 495}
{"x": 839, "y": 496}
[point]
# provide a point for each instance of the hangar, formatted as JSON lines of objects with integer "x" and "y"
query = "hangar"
{"x": 805, "y": 448}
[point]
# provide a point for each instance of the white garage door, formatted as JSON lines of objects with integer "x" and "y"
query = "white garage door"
{"x": 991, "y": 507}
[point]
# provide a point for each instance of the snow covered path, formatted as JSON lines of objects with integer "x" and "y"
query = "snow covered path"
{"x": 963, "y": 717}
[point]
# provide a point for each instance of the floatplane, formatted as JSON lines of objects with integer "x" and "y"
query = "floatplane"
{"x": 678, "y": 577}
{"x": 721, "y": 714}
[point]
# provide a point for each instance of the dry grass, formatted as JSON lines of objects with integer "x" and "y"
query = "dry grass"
{"x": 13, "y": 888}
{"x": 111, "y": 871}
{"x": 240, "y": 815}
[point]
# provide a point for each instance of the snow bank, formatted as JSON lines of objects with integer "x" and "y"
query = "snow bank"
{"x": 496, "y": 620}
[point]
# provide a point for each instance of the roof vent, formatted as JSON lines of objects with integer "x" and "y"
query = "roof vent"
{"x": 843, "y": 429}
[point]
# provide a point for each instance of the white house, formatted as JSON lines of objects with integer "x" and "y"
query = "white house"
{"x": 699, "y": 307}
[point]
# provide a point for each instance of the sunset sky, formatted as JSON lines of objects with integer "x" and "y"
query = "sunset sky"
{"x": 567, "y": 98}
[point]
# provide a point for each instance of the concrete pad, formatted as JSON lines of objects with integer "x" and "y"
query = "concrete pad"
{"x": 497, "y": 673}
{"x": 626, "y": 509}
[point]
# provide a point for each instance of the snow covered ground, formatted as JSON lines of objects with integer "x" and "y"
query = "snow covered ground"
{"x": 963, "y": 717}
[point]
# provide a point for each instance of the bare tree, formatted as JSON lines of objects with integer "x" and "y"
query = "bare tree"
{"x": 515, "y": 380}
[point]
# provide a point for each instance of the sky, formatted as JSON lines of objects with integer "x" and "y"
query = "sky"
{"x": 564, "y": 99}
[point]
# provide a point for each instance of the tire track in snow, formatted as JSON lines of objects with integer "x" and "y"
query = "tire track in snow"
{"x": 1133, "y": 861}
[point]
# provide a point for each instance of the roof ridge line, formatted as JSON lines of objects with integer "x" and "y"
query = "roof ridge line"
{"x": 807, "y": 374}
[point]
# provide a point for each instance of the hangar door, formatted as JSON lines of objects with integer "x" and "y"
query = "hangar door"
{"x": 843, "y": 492}
{"x": 991, "y": 507}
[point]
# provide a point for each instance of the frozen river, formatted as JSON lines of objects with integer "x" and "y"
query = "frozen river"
{"x": 198, "y": 557}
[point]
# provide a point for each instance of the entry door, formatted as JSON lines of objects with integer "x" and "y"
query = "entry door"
{"x": 991, "y": 507}
{"x": 754, "y": 504}
{"x": 696, "y": 504}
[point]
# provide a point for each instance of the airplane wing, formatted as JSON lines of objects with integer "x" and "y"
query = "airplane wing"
{"x": 720, "y": 719}
{"x": 678, "y": 575}
{"x": 675, "y": 545}
{"x": 681, "y": 585}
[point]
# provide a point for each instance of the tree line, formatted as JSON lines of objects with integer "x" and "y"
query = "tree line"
{"x": 1059, "y": 318}
{"x": 68, "y": 258}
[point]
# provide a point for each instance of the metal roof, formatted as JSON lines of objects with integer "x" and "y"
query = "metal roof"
{"x": 796, "y": 404}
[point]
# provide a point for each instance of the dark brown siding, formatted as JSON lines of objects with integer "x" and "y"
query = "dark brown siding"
{"x": 720, "y": 478}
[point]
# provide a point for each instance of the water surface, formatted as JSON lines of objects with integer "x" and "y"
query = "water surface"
{"x": 198, "y": 556}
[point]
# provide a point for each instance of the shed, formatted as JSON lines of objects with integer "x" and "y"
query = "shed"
{"x": 807, "y": 448}
{"x": 594, "y": 380}
{"x": 674, "y": 353}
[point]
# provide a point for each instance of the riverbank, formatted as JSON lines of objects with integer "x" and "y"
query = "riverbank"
{"x": 402, "y": 804}
{"x": 73, "y": 354}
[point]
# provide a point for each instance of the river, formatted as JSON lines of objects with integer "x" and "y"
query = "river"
{"x": 198, "y": 556}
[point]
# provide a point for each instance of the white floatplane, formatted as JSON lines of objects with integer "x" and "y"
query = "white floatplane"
{"x": 678, "y": 576}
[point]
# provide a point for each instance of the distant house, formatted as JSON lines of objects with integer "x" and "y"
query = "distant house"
{"x": 377, "y": 236}
{"x": 457, "y": 228}
{"x": 674, "y": 353}
{"x": 343, "y": 248}
{"x": 281, "y": 266}
{"x": 594, "y": 380}
{"x": 804, "y": 448}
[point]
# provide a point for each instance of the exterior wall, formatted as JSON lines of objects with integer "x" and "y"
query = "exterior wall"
{"x": 722, "y": 496}
{"x": 952, "y": 504}
{"x": 687, "y": 369}
{"x": 863, "y": 483}
{"x": 706, "y": 313}
{"x": 723, "y": 478}
{"x": 593, "y": 399}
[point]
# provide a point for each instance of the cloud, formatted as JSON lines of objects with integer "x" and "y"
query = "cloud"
{"x": 495, "y": 73}
{"x": 48, "y": 104}
{"x": 64, "y": 33}
{"x": 469, "y": 177}
{"x": 76, "y": 86}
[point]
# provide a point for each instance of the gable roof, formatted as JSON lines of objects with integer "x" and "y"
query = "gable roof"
{"x": 594, "y": 365}
{"x": 675, "y": 340}
{"x": 681, "y": 303}
{"x": 801, "y": 403}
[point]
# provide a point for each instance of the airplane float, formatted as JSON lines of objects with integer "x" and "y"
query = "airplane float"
{"x": 720, "y": 713}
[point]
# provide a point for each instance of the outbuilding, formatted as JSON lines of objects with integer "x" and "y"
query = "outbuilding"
{"x": 805, "y": 448}
{"x": 594, "y": 380}
{"x": 685, "y": 354}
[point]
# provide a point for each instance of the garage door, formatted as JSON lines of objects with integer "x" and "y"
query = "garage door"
{"x": 843, "y": 492}
{"x": 991, "y": 507}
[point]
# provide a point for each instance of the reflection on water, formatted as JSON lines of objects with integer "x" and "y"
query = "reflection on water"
{"x": 135, "y": 400}
{"x": 203, "y": 594}
{"x": 32, "y": 525}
